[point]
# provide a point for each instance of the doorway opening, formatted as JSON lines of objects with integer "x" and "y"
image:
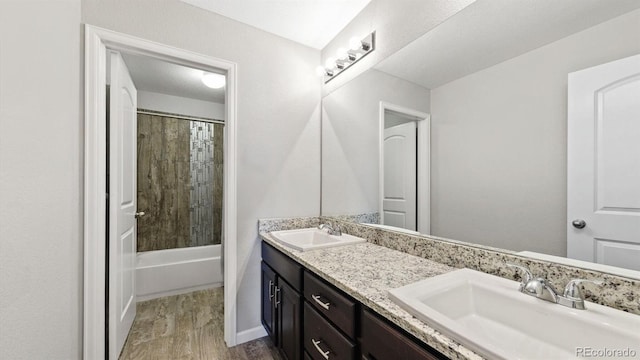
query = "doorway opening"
{"x": 165, "y": 190}
{"x": 404, "y": 168}
{"x": 111, "y": 262}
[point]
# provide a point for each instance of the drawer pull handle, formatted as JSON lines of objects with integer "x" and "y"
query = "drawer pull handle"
{"x": 270, "y": 290}
{"x": 316, "y": 343}
{"x": 277, "y": 295}
{"x": 323, "y": 304}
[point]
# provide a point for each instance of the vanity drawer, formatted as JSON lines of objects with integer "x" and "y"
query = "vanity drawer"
{"x": 288, "y": 269}
{"x": 321, "y": 336}
{"x": 338, "y": 308}
{"x": 380, "y": 341}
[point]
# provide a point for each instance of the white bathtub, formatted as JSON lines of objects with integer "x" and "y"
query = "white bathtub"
{"x": 176, "y": 271}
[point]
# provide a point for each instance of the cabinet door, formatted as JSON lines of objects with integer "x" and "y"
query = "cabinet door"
{"x": 268, "y": 312}
{"x": 380, "y": 341}
{"x": 289, "y": 307}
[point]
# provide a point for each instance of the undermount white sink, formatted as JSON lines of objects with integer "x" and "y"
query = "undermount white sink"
{"x": 313, "y": 238}
{"x": 489, "y": 315}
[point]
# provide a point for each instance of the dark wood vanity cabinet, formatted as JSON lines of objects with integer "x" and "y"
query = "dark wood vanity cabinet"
{"x": 282, "y": 302}
{"x": 308, "y": 318}
{"x": 330, "y": 318}
{"x": 380, "y": 340}
{"x": 289, "y": 321}
{"x": 268, "y": 312}
{"x": 340, "y": 309}
{"x": 323, "y": 340}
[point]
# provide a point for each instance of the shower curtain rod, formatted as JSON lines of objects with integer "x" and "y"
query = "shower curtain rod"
{"x": 180, "y": 117}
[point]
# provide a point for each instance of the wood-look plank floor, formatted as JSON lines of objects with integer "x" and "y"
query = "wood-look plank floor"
{"x": 188, "y": 326}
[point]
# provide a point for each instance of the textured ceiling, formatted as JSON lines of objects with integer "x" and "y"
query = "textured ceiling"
{"x": 149, "y": 74}
{"x": 310, "y": 22}
{"x": 488, "y": 32}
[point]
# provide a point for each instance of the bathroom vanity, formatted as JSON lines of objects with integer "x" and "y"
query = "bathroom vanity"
{"x": 307, "y": 316}
{"x": 338, "y": 302}
{"x": 332, "y": 304}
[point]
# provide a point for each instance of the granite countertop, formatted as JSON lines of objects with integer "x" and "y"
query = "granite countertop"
{"x": 366, "y": 271}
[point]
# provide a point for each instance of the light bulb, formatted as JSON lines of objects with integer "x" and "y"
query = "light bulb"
{"x": 320, "y": 71}
{"x": 214, "y": 81}
{"x": 330, "y": 63}
{"x": 341, "y": 53}
{"x": 355, "y": 43}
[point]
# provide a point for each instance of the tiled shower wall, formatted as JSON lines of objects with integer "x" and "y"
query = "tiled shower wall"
{"x": 206, "y": 183}
{"x": 179, "y": 182}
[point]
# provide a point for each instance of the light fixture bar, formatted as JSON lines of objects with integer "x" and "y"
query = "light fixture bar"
{"x": 354, "y": 54}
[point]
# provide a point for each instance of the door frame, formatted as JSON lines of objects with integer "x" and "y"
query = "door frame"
{"x": 424, "y": 163}
{"x": 97, "y": 41}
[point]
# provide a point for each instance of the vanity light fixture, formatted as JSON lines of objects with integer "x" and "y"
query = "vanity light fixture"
{"x": 214, "y": 81}
{"x": 358, "y": 48}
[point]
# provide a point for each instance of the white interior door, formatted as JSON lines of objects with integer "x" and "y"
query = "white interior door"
{"x": 399, "y": 200}
{"x": 122, "y": 204}
{"x": 603, "y": 206}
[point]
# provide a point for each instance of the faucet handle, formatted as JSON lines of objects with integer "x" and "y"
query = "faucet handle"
{"x": 527, "y": 274}
{"x": 572, "y": 290}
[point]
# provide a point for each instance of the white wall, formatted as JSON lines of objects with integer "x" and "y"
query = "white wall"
{"x": 41, "y": 151}
{"x": 396, "y": 24}
{"x": 40, "y": 180}
{"x": 499, "y": 139}
{"x": 278, "y": 116}
{"x": 180, "y": 105}
{"x": 350, "y": 139}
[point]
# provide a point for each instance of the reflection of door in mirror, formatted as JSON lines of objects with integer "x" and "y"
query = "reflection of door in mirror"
{"x": 404, "y": 168}
{"x": 604, "y": 164}
{"x": 400, "y": 171}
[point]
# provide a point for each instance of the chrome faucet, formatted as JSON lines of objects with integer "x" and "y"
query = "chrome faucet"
{"x": 331, "y": 230}
{"x": 572, "y": 296}
{"x": 540, "y": 288}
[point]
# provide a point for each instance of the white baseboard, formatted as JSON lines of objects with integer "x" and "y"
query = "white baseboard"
{"x": 146, "y": 297}
{"x": 251, "y": 334}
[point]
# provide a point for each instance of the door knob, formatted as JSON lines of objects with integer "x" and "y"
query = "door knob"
{"x": 139, "y": 214}
{"x": 579, "y": 223}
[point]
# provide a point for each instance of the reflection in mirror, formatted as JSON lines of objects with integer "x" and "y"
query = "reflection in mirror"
{"x": 404, "y": 163}
{"x": 510, "y": 88}
{"x": 351, "y": 139}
